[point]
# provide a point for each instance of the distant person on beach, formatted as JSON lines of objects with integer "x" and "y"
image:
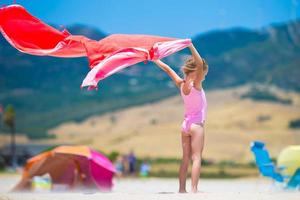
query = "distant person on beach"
{"x": 192, "y": 131}
{"x": 125, "y": 164}
{"x": 131, "y": 162}
{"x": 144, "y": 169}
{"x": 119, "y": 166}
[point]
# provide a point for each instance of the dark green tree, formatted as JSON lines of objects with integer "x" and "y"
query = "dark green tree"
{"x": 9, "y": 120}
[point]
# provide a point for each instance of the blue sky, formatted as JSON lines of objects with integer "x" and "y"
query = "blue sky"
{"x": 163, "y": 17}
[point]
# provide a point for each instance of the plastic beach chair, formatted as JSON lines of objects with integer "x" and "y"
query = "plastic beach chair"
{"x": 263, "y": 161}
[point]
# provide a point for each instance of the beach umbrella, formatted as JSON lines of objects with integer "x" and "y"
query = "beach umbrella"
{"x": 289, "y": 158}
{"x": 75, "y": 166}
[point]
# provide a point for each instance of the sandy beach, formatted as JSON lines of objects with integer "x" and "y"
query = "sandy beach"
{"x": 156, "y": 188}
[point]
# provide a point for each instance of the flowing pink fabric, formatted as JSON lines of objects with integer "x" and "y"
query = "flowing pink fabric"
{"x": 106, "y": 56}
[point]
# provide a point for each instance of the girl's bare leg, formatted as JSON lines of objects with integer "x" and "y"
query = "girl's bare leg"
{"x": 186, "y": 156}
{"x": 197, "y": 143}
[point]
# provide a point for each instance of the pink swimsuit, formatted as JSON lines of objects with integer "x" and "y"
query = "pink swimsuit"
{"x": 195, "y": 108}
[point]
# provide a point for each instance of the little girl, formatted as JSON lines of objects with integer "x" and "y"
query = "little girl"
{"x": 192, "y": 133}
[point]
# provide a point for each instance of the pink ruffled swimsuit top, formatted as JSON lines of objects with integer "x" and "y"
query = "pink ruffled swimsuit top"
{"x": 195, "y": 107}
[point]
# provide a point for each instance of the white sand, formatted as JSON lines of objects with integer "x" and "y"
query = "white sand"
{"x": 154, "y": 188}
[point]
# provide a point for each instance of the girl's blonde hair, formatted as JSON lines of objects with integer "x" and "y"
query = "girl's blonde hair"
{"x": 190, "y": 66}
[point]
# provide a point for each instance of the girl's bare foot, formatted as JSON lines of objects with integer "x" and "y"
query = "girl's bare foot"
{"x": 182, "y": 191}
{"x": 194, "y": 190}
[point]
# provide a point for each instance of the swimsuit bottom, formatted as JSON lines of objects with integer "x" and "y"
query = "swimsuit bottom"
{"x": 189, "y": 120}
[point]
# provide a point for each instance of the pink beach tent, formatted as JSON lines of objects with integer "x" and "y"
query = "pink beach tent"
{"x": 73, "y": 166}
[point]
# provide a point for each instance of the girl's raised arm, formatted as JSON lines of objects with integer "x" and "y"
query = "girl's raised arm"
{"x": 196, "y": 55}
{"x": 174, "y": 76}
{"x": 199, "y": 61}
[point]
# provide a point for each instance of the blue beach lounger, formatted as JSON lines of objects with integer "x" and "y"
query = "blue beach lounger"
{"x": 263, "y": 161}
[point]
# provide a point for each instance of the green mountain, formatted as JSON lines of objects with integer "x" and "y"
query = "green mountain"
{"x": 270, "y": 55}
{"x": 45, "y": 90}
